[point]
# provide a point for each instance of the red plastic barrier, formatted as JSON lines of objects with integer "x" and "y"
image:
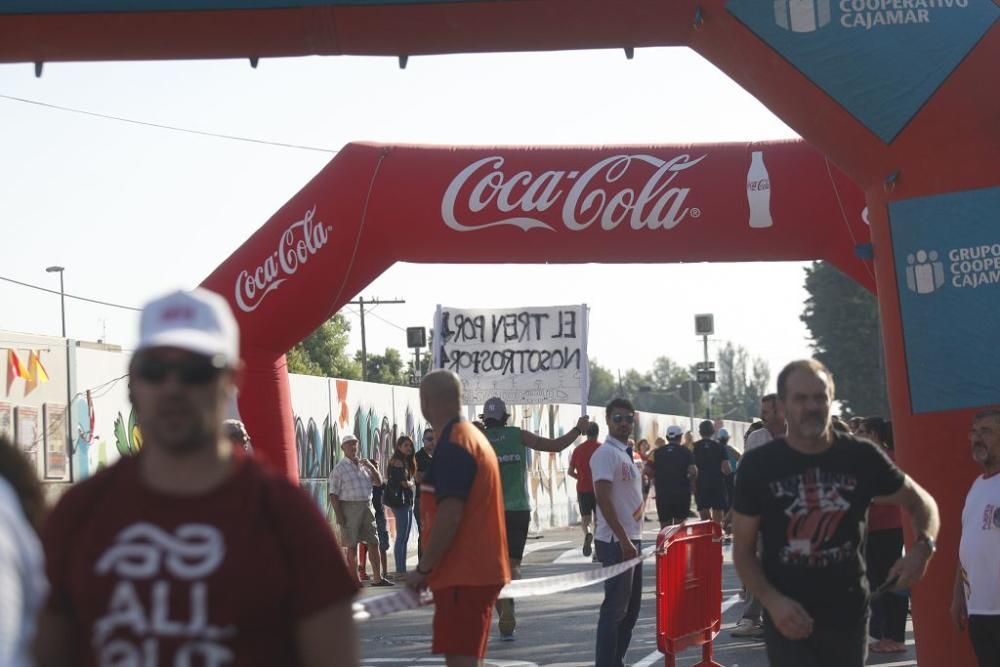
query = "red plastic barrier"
{"x": 688, "y": 589}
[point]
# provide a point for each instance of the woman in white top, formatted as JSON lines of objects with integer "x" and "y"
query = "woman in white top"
{"x": 23, "y": 586}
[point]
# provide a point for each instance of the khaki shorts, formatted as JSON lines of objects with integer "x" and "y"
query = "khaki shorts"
{"x": 359, "y": 523}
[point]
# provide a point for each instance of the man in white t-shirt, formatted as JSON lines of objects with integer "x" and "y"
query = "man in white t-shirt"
{"x": 976, "y": 600}
{"x": 774, "y": 424}
{"x": 618, "y": 488}
{"x": 750, "y": 625}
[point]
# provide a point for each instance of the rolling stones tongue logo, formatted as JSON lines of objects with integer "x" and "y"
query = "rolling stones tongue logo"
{"x": 815, "y": 513}
{"x": 811, "y": 528}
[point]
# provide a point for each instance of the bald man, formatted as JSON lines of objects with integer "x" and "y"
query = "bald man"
{"x": 464, "y": 560}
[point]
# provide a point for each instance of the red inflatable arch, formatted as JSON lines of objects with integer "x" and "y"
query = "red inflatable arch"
{"x": 374, "y": 205}
{"x": 902, "y": 97}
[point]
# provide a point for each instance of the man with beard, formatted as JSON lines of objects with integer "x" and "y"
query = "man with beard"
{"x": 976, "y": 602}
{"x": 807, "y": 493}
{"x": 190, "y": 553}
{"x": 618, "y": 489}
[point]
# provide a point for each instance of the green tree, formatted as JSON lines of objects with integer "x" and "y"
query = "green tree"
{"x": 388, "y": 368}
{"x": 324, "y": 352}
{"x": 603, "y": 386}
{"x": 742, "y": 381}
{"x": 664, "y": 390}
{"x": 843, "y": 320}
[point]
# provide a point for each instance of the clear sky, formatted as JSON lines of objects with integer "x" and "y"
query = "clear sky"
{"x": 133, "y": 211}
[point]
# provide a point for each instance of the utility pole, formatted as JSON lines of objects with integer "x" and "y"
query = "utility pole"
{"x": 704, "y": 326}
{"x": 708, "y": 400}
{"x": 360, "y": 303}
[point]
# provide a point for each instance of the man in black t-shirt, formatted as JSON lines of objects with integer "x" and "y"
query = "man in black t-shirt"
{"x": 423, "y": 461}
{"x": 713, "y": 464}
{"x": 807, "y": 494}
{"x": 673, "y": 471}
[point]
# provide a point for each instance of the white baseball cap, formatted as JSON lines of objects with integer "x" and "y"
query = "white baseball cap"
{"x": 198, "y": 321}
{"x": 674, "y": 431}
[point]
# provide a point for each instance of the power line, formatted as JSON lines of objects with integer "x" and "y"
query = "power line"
{"x": 392, "y": 324}
{"x": 70, "y": 296}
{"x": 364, "y": 347}
{"x": 172, "y": 128}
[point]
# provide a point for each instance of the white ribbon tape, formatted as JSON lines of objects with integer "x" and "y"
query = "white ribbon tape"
{"x": 389, "y": 603}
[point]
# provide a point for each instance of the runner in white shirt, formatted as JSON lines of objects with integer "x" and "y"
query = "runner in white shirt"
{"x": 751, "y": 625}
{"x": 976, "y": 600}
{"x": 618, "y": 488}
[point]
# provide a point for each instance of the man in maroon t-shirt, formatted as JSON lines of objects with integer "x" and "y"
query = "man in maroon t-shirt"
{"x": 579, "y": 469}
{"x": 189, "y": 553}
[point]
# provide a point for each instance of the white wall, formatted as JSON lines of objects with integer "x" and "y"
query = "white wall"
{"x": 325, "y": 410}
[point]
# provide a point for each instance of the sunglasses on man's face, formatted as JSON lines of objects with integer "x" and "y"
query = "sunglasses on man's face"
{"x": 428, "y": 438}
{"x": 618, "y": 419}
{"x": 197, "y": 371}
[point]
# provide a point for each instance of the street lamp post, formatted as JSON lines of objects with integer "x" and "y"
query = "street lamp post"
{"x": 67, "y": 416}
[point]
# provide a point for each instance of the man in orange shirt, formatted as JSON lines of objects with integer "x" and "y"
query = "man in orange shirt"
{"x": 464, "y": 561}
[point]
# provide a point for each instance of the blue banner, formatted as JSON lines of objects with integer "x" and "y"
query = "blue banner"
{"x": 91, "y": 6}
{"x": 879, "y": 59}
{"x": 947, "y": 258}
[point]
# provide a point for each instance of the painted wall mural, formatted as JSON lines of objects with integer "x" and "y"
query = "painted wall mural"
{"x": 105, "y": 427}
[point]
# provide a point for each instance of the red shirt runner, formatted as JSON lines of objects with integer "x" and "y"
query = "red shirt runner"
{"x": 215, "y": 579}
{"x": 580, "y": 459}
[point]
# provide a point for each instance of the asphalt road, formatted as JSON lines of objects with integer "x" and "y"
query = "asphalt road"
{"x": 558, "y": 630}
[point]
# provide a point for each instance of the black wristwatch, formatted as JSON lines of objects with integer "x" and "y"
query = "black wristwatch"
{"x": 422, "y": 573}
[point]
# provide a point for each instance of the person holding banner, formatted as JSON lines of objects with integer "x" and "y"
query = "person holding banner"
{"x": 510, "y": 442}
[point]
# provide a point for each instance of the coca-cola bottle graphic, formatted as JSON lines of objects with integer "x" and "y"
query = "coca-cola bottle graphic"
{"x": 759, "y": 192}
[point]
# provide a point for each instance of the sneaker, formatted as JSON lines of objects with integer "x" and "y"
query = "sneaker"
{"x": 588, "y": 540}
{"x": 363, "y": 576}
{"x": 747, "y": 628}
{"x": 507, "y": 621}
{"x": 383, "y": 582}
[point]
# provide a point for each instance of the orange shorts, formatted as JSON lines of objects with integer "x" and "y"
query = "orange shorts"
{"x": 462, "y": 619}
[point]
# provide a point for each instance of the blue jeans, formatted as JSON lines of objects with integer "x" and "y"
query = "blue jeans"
{"x": 404, "y": 519}
{"x": 620, "y": 609}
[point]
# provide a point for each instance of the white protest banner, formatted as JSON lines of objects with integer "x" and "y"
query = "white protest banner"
{"x": 523, "y": 355}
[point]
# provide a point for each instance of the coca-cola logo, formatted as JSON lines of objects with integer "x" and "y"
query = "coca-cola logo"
{"x": 586, "y": 197}
{"x": 759, "y": 185}
{"x": 301, "y": 241}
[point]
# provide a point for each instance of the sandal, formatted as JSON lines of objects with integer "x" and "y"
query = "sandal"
{"x": 893, "y": 647}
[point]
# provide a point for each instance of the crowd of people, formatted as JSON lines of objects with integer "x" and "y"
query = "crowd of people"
{"x": 192, "y": 553}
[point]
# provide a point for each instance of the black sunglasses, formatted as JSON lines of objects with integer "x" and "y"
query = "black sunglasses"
{"x": 618, "y": 419}
{"x": 195, "y": 371}
{"x": 428, "y": 438}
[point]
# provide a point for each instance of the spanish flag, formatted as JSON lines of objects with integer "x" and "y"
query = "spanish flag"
{"x": 15, "y": 369}
{"x": 36, "y": 372}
